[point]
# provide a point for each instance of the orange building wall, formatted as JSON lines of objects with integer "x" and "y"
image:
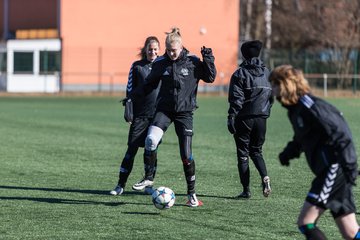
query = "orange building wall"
{"x": 105, "y": 35}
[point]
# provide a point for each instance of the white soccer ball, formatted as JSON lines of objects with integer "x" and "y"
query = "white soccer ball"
{"x": 163, "y": 198}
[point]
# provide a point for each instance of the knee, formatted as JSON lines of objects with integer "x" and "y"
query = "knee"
{"x": 153, "y": 138}
{"x": 128, "y": 156}
{"x": 243, "y": 160}
{"x": 131, "y": 152}
{"x": 255, "y": 154}
{"x": 187, "y": 149}
{"x": 185, "y": 142}
{"x": 305, "y": 219}
{"x": 150, "y": 143}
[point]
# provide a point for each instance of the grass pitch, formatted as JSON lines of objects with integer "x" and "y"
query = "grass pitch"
{"x": 60, "y": 156}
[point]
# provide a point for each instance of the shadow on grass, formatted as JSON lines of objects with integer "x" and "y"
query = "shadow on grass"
{"x": 102, "y": 192}
{"x": 84, "y": 191}
{"x": 140, "y": 213}
{"x": 215, "y": 196}
{"x": 70, "y": 201}
{"x": 98, "y": 192}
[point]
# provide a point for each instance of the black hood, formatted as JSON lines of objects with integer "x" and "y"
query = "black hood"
{"x": 255, "y": 66}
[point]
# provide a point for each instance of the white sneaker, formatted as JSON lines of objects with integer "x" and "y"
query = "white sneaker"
{"x": 117, "y": 191}
{"x": 142, "y": 184}
{"x": 193, "y": 201}
{"x": 149, "y": 190}
{"x": 266, "y": 186}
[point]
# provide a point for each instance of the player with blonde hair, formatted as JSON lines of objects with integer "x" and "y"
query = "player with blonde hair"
{"x": 179, "y": 73}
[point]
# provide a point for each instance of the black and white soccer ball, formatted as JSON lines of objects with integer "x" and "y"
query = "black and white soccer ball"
{"x": 163, "y": 198}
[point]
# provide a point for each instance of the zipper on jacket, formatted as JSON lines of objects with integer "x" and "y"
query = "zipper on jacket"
{"x": 175, "y": 87}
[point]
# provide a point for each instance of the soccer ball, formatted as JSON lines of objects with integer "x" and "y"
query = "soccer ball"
{"x": 163, "y": 198}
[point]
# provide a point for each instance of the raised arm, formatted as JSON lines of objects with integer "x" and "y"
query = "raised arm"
{"x": 208, "y": 65}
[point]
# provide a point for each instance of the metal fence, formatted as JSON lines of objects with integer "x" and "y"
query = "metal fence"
{"x": 103, "y": 61}
{"x": 324, "y": 84}
{"x": 333, "y": 84}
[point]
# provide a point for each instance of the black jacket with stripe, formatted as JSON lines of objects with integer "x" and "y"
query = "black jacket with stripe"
{"x": 179, "y": 80}
{"x": 318, "y": 125}
{"x": 250, "y": 93}
{"x": 143, "y": 104}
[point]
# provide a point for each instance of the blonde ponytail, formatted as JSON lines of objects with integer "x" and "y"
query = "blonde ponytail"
{"x": 173, "y": 36}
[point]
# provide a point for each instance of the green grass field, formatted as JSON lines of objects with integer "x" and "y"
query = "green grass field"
{"x": 60, "y": 156}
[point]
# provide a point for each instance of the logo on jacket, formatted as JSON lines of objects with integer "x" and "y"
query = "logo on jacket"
{"x": 184, "y": 71}
{"x": 300, "y": 122}
{"x": 166, "y": 73}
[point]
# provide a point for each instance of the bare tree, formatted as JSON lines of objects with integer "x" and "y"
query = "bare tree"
{"x": 268, "y": 29}
{"x": 252, "y": 19}
{"x": 329, "y": 27}
{"x": 248, "y": 16}
{"x": 339, "y": 31}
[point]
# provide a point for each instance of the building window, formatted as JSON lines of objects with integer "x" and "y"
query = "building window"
{"x": 50, "y": 62}
{"x": 23, "y": 62}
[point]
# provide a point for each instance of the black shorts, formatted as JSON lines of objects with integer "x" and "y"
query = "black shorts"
{"x": 330, "y": 190}
{"x": 138, "y": 131}
{"x": 183, "y": 122}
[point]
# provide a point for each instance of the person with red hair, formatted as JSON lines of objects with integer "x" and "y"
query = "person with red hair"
{"x": 321, "y": 132}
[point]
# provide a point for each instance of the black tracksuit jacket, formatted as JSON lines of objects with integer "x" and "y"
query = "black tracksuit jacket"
{"x": 143, "y": 105}
{"x": 250, "y": 93}
{"x": 318, "y": 125}
{"x": 179, "y": 80}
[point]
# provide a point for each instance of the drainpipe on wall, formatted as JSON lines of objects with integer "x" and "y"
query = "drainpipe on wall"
{"x": 58, "y": 21}
{"x": 6, "y": 20}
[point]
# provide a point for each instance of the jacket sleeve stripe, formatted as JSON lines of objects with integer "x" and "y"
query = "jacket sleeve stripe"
{"x": 307, "y": 101}
{"x": 130, "y": 79}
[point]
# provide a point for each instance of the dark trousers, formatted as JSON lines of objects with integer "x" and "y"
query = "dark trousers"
{"x": 249, "y": 139}
{"x": 183, "y": 122}
{"x": 136, "y": 139}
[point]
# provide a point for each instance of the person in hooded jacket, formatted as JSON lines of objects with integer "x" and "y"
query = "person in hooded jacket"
{"x": 179, "y": 74}
{"x": 250, "y": 99}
